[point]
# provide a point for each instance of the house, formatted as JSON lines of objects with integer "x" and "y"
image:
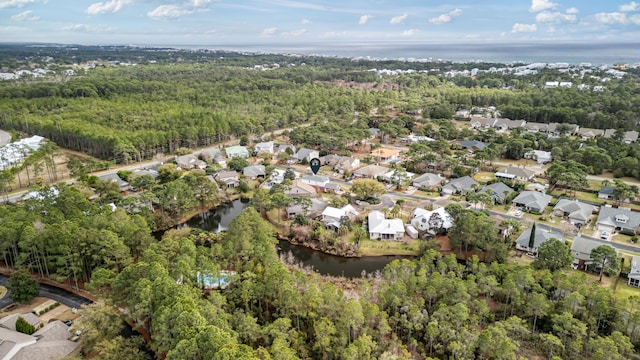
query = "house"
{"x": 606, "y": 192}
{"x": 551, "y": 84}
{"x": 535, "y": 127}
{"x": 215, "y": 156}
{"x": 49, "y": 342}
{"x": 346, "y": 163}
{"x": 581, "y": 250}
{"x": 428, "y": 181}
{"x": 395, "y": 176}
{"x": 370, "y": 171}
{"x": 541, "y": 157}
{"x": 532, "y": 201}
{"x": 462, "y": 114}
{"x": 588, "y": 133}
{"x": 386, "y": 155}
{"x": 508, "y": 124}
{"x": 374, "y": 132}
{"x": 317, "y": 181}
{"x": 113, "y": 177}
{"x": 9, "y": 322}
{"x": 577, "y": 212}
{"x": 300, "y": 189}
{"x": 188, "y": 162}
{"x": 254, "y": 171}
{"x": 567, "y": 129}
{"x": 305, "y": 154}
{"x": 411, "y": 231}
{"x": 384, "y": 229}
{"x": 283, "y": 149}
{"x": 331, "y": 216}
{"x": 142, "y": 172}
{"x": 515, "y": 173}
{"x": 264, "y": 147}
{"x": 499, "y": 192}
{"x": 472, "y": 145}
{"x": 540, "y": 237}
{"x": 622, "y": 220}
{"x": 330, "y": 159}
{"x": 237, "y": 151}
{"x": 630, "y": 137}
{"x": 459, "y": 185}
{"x": 634, "y": 273}
{"x": 477, "y": 122}
{"x": 415, "y": 138}
{"x": 227, "y": 178}
{"x": 432, "y": 221}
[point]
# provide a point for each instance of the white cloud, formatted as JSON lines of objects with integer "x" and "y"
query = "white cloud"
{"x": 410, "y": 32}
{"x": 297, "y": 32}
{"x": 364, "y": 18}
{"x": 554, "y": 17}
{"x": 632, "y": 6}
{"x": 268, "y": 31}
{"x": 539, "y": 5}
{"x": 635, "y": 19}
{"x": 76, "y": 27}
{"x": 305, "y": 21}
{"x": 110, "y": 6}
{"x": 572, "y": 10}
{"x": 398, "y": 19}
{"x": 611, "y": 18}
{"x": 200, "y": 3}
{"x": 445, "y": 18}
{"x": 25, "y": 16}
{"x": 168, "y": 12}
{"x": 14, "y": 3}
{"x": 518, "y": 27}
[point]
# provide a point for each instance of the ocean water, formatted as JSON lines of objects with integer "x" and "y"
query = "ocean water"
{"x": 572, "y": 53}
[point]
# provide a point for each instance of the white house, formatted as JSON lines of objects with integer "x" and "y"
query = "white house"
{"x": 634, "y": 273}
{"x": 264, "y": 147}
{"x": 431, "y": 221}
{"x": 384, "y": 229}
{"x": 331, "y": 216}
{"x": 541, "y": 157}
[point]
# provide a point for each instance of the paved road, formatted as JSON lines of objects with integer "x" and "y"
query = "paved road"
{"x": 60, "y": 295}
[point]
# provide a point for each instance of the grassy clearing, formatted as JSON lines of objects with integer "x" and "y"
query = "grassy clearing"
{"x": 389, "y": 247}
{"x": 3, "y": 291}
{"x": 484, "y": 176}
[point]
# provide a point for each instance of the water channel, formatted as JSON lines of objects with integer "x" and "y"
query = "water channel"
{"x": 218, "y": 219}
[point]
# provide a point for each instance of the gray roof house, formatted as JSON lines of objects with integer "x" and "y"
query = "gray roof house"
{"x": 588, "y": 133}
{"x": 541, "y": 236}
{"x": 371, "y": 171}
{"x": 606, "y": 192}
{"x": 517, "y": 173}
{"x": 577, "y": 212}
{"x": 581, "y": 250}
{"x": 228, "y": 178}
{"x": 300, "y": 189}
{"x": 215, "y": 156}
{"x": 284, "y": 147}
{"x": 123, "y": 185}
{"x": 619, "y": 219}
{"x": 428, "y": 181}
{"x": 188, "y": 162}
{"x": 306, "y": 154}
{"x": 507, "y": 124}
{"x": 472, "y": 145}
{"x": 630, "y": 136}
{"x": 264, "y": 147}
{"x": 481, "y": 122}
{"x": 254, "y": 171}
{"x": 499, "y": 192}
{"x": 459, "y": 185}
{"x": 634, "y": 273}
{"x": 532, "y": 200}
{"x": 49, "y": 342}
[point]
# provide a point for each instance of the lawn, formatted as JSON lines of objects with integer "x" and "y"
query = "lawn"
{"x": 484, "y": 176}
{"x": 389, "y": 247}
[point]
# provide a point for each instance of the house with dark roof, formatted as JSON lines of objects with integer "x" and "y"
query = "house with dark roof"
{"x": 254, "y": 171}
{"x": 498, "y": 191}
{"x": 305, "y": 154}
{"x": 540, "y": 237}
{"x": 606, "y": 192}
{"x": 428, "y": 181}
{"x": 188, "y": 162}
{"x": 472, "y": 145}
{"x": 113, "y": 177}
{"x": 215, "y": 156}
{"x": 622, "y": 220}
{"x": 576, "y": 212}
{"x": 459, "y": 186}
{"x": 581, "y": 250}
{"x": 515, "y": 173}
{"x": 532, "y": 201}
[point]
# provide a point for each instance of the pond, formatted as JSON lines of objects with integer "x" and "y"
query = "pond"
{"x": 218, "y": 219}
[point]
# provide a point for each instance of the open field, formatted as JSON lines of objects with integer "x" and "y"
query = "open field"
{"x": 389, "y": 247}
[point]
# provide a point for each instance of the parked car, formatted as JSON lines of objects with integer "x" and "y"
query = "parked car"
{"x": 518, "y": 213}
{"x": 604, "y": 235}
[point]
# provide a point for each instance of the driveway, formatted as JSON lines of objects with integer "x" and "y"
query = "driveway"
{"x": 5, "y": 138}
{"x": 60, "y": 295}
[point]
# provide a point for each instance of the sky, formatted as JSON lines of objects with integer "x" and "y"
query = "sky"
{"x": 236, "y": 22}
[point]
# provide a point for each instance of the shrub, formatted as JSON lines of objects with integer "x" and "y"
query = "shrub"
{"x": 24, "y": 327}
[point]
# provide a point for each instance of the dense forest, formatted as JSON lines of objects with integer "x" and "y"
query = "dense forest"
{"x": 431, "y": 307}
{"x": 130, "y": 112}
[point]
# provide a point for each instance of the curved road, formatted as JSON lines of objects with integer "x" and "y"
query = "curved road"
{"x": 60, "y": 295}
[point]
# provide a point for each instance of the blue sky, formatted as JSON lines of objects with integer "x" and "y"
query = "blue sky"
{"x": 236, "y": 22}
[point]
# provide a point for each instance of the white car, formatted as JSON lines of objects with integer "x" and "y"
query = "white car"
{"x": 518, "y": 213}
{"x": 604, "y": 235}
